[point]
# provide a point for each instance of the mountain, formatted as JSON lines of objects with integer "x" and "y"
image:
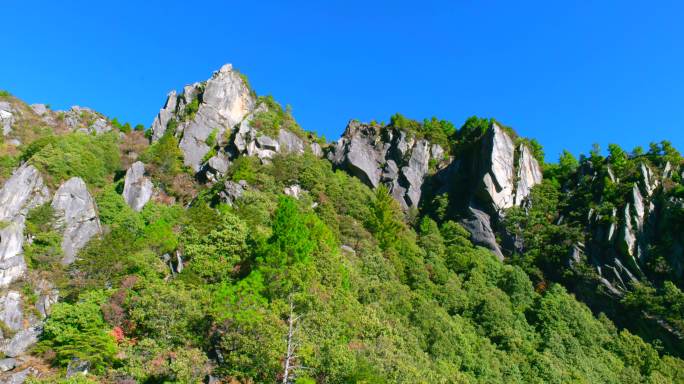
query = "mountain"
{"x": 226, "y": 244}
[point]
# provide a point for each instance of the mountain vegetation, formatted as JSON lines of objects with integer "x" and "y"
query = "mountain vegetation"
{"x": 294, "y": 263}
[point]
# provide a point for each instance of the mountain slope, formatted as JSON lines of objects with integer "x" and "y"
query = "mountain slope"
{"x": 233, "y": 246}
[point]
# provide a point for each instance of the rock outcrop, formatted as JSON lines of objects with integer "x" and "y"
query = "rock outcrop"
{"x": 377, "y": 154}
{"x": 24, "y": 190}
{"x": 76, "y": 217}
{"x": 137, "y": 187}
{"x": 205, "y": 109}
{"x": 214, "y": 121}
{"x": 6, "y": 117}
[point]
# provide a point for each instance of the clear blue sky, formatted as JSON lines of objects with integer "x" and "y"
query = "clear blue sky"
{"x": 567, "y": 73}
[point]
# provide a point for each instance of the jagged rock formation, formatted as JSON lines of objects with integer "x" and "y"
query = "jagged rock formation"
{"x": 215, "y": 123}
{"x": 137, "y": 187}
{"x": 6, "y": 117}
{"x": 386, "y": 155}
{"x": 221, "y": 102}
{"x": 23, "y": 191}
{"x": 491, "y": 176}
{"x": 77, "y": 217}
{"x": 618, "y": 242}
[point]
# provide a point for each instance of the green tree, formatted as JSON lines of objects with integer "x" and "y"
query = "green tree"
{"x": 385, "y": 217}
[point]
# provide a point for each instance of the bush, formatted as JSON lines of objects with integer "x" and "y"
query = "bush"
{"x": 79, "y": 331}
{"x": 92, "y": 158}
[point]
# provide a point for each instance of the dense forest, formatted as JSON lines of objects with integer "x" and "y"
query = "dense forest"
{"x": 236, "y": 247}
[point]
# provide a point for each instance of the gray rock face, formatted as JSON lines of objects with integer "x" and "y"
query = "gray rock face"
{"x": 137, "y": 187}
{"x": 226, "y": 101}
{"x": 317, "y": 150}
{"x": 232, "y": 191}
{"x": 76, "y": 215}
{"x": 529, "y": 174}
{"x": 293, "y": 190}
{"x": 7, "y": 364}
{"x": 85, "y": 120}
{"x": 165, "y": 114}
{"x": 384, "y": 155}
{"x": 39, "y": 109}
{"x": 20, "y": 377}
{"x": 498, "y": 179}
{"x": 481, "y": 232}
{"x": 10, "y": 310}
{"x": 6, "y": 117}
{"x": 21, "y": 341}
{"x": 289, "y": 142}
{"x": 22, "y": 191}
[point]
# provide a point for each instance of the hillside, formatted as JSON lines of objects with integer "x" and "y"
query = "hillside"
{"x": 226, "y": 244}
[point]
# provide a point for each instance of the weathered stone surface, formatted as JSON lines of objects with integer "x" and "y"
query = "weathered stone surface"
{"x": 415, "y": 171}
{"x": 478, "y": 223}
{"x": 24, "y": 190}
{"x": 529, "y": 174}
{"x": 6, "y": 117}
{"x": 649, "y": 182}
{"x": 289, "y": 142}
{"x": 628, "y": 237}
{"x": 226, "y": 101}
{"x": 39, "y": 109}
{"x": 21, "y": 341}
{"x": 316, "y": 150}
{"x": 385, "y": 155}
{"x": 76, "y": 216}
{"x": 498, "y": 179}
{"x": 11, "y": 313}
{"x": 165, "y": 114}
{"x": 7, "y": 364}
{"x": 293, "y": 190}
{"x": 137, "y": 187}
{"x": 217, "y": 166}
{"x": 232, "y": 191}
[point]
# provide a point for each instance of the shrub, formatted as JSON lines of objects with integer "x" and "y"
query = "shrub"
{"x": 92, "y": 158}
{"x": 79, "y": 331}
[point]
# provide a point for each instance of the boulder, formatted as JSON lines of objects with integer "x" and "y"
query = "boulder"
{"x": 21, "y": 341}
{"x": 10, "y": 310}
{"x": 24, "y": 190}
{"x": 316, "y": 150}
{"x": 76, "y": 216}
{"x": 137, "y": 187}
{"x": 289, "y": 142}
{"x": 226, "y": 100}
{"x": 39, "y": 109}
{"x": 7, "y": 364}
{"x": 479, "y": 225}
{"x": 294, "y": 191}
{"x": 6, "y": 117}
{"x": 498, "y": 182}
{"x": 529, "y": 174}
{"x": 232, "y": 191}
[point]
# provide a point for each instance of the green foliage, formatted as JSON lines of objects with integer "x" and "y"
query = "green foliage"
{"x": 164, "y": 161}
{"x": 92, "y": 158}
{"x": 190, "y": 110}
{"x": 214, "y": 256}
{"x": 274, "y": 117}
{"x": 79, "y": 331}
{"x": 139, "y": 128}
{"x": 473, "y": 128}
{"x": 45, "y": 251}
{"x": 384, "y": 220}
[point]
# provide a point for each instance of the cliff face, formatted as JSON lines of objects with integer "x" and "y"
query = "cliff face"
{"x": 215, "y": 122}
{"x": 491, "y": 176}
{"x": 385, "y": 155}
{"x": 621, "y": 237}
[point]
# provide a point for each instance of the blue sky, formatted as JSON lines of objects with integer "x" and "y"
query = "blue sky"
{"x": 567, "y": 73}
